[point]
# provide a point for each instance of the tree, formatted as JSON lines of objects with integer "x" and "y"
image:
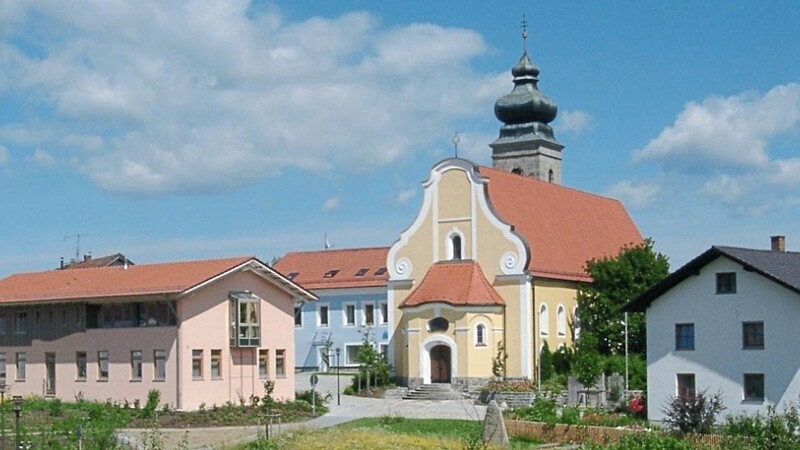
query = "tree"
{"x": 616, "y": 281}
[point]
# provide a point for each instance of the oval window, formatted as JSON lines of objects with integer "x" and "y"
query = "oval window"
{"x": 438, "y": 324}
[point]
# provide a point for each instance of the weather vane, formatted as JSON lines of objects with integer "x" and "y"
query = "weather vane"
{"x": 455, "y": 142}
{"x": 524, "y": 26}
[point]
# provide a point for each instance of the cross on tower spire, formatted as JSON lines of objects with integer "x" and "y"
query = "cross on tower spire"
{"x": 524, "y": 26}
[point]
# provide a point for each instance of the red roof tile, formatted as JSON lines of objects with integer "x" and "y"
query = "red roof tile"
{"x": 141, "y": 279}
{"x": 117, "y": 259}
{"x": 458, "y": 283}
{"x": 564, "y": 227}
{"x": 310, "y": 268}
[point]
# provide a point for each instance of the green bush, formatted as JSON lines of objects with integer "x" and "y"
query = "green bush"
{"x": 543, "y": 409}
{"x": 774, "y": 432}
{"x": 153, "y": 399}
{"x": 646, "y": 441}
{"x": 693, "y": 414}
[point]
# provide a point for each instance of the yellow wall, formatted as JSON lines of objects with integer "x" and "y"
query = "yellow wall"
{"x": 554, "y": 293}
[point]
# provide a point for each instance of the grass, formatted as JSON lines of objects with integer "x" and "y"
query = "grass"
{"x": 389, "y": 433}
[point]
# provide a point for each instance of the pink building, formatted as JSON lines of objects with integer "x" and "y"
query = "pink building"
{"x": 198, "y": 331}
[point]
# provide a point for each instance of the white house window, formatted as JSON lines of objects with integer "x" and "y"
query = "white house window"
{"x": 159, "y": 365}
{"x": 322, "y": 315}
{"x": 576, "y": 324}
{"x": 480, "y": 335}
{"x": 369, "y": 314}
{"x": 561, "y": 321}
{"x": 298, "y": 316}
{"x": 136, "y": 365}
{"x": 684, "y": 336}
{"x": 686, "y": 385}
{"x": 21, "y": 325}
{"x": 384, "y": 313}
{"x": 753, "y": 335}
{"x": 351, "y": 354}
{"x": 438, "y": 324}
{"x": 544, "y": 322}
{"x": 726, "y": 283}
{"x": 350, "y": 315}
{"x": 102, "y": 365}
{"x": 754, "y": 386}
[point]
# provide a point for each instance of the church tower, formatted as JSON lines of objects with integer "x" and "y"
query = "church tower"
{"x": 526, "y": 145}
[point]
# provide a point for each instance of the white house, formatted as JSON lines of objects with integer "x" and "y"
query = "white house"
{"x": 726, "y": 322}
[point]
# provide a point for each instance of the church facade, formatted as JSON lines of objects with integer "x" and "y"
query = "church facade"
{"x": 488, "y": 272}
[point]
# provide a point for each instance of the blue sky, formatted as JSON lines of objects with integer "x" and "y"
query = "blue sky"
{"x": 183, "y": 130}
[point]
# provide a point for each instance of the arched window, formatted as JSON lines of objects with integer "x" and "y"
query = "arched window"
{"x": 550, "y": 176}
{"x": 438, "y": 324}
{"x": 561, "y": 321}
{"x": 544, "y": 322}
{"x": 480, "y": 335}
{"x": 516, "y": 171}
{"x": 576, "y": 324}
{"x": 455, "y": 242}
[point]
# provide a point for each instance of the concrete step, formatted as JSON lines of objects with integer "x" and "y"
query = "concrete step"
{"x": 438, "y": 391}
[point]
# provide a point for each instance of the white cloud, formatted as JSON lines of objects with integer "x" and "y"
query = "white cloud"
{"x": 3, "y": 155}
{"x": 405, "y": 195}
{"x": 43, "y": 158}
{"x": 331, "y": 204}
{"x": 785, "y": 172}
{"x": 634, "y": 195}
{"x": 575, "y": 121}
{"x": 727, "y": 131}
{"x": 725, "y": 187}
{"x": 156, "y": 97}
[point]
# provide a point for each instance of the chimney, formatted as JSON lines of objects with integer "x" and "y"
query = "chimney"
{"x": 61, "y": 266}
{"x": 778, "y": 243}
{"x": 87, "y": 257}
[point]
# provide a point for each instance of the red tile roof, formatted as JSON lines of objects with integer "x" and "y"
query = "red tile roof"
{"x": 458, "y": 283}
{"x": 117, "y": 259}
{"x": 564, "y": 227}
{"x": 141, "y": 279}
{"x": 310, "y": 268}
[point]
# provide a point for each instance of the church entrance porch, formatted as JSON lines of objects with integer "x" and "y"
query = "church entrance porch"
{"x": 440, "y": 364}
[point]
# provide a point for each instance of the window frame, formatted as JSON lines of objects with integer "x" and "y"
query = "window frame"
{"x": 383, "y": 311}
{"x": 345, "y": 321}
{"x": 365, "y": 306}
{"x": 298, "y": 315}
{"x": 481, "y": 338}
{"x": 244, "y": 333}
{"x": 561, "y": 321}
{"x": 20, "y": 366}
{"x": 347, "y": 360}
{"x": 263, "y": 362}
{"x": 544, "y": 320}
{"x": 680, "y": 343}
{"x": 21, "y": 322}
{"x": 327, "y": 315}
{"x": 456, "y": 245}
{"x": 215, "y": 356}
{"x": 159, "y": 355}
{"x": 280, "y": 368}
{"x": 3, "y": 366}
{"x": 690, "y": 393}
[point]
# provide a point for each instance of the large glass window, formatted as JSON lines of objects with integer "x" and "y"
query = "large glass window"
{"x": 351, "y": 354}
{"x": 245, "y": 321}
{"x": 684, "y": 336}
{"x": 753, "y": 335}
{"x": 2, "y": 323}
{"x": 80, "y": 366}
{"x": 159, "y": 365}
{"x": 128, "y": 315}
{"x": 21, "y": 325}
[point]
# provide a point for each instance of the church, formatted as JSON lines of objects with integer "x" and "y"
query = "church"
{"x": 490, "y": 266}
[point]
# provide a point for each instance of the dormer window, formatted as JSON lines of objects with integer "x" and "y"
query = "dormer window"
{"x": 362, "y": 272}
{"x": 380, "y": 271}
{"x": 438, "y": 324}
{"x": 550, "y": 176}
{"x": 293, "y": 275}
{"x": 330, "y": 273}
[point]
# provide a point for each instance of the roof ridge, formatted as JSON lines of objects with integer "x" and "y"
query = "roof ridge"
{"x": 761, "y": 250}
{"x": 141, "y": 266}
{"x": 335, "y": 250}
{"x": 561, "y": 186}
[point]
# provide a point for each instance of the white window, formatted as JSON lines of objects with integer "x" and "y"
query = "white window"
{"x": 3, "y": 366}
{"x": 280, "y": 363}
{"x": 384, "y": 307}
{"x": 544, "y": 322}
{"x": 245, "y": 320}
{"x": 22, "y": 364}
{"x": 298, "y": 315}
{"x": 369, "y": 314}
{"x": 197, "y": 364}
{"x": 216, "y": 363}
{"x": 480, "y": 335}
{"x": 561, "y": 321}
{"x": 102, "y": 365}
{"x": 349, "y": 315}
{"x": 263, "y": 363}
{"x": 351, "y": 354}
{"x": 576, "y": 324}
{"x": 159, "y": 365}
{"x": 136, "y": 365}
{"x": 322, "y": 315}
{"x": 455, "y": 245}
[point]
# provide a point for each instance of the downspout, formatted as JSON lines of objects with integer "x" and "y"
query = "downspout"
{"x": 178, "y": 393}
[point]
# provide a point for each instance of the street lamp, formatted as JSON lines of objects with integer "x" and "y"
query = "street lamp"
{"x": 338, "y": 389}
{"x": 3, "y": 388}
{"x": 17, "y": 410}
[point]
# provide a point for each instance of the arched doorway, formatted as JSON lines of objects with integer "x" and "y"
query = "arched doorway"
{"x": 440, "y": 364}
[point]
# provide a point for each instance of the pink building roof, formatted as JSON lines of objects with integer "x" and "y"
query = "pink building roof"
{"x": 117, "y": 281}
{"x": 457, "y": 283}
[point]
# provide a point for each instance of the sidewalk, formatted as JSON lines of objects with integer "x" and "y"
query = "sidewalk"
{"x": 351, "y": 408}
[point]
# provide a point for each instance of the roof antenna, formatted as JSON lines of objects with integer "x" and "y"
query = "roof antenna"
{"x": 455, "y": 140}
{"x": 327, "y": 242}
{"x": 78, "y": 245}
{"x": 524, "y": 26}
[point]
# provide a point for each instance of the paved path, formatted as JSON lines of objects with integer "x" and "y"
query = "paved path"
{"x": 351, "y": 408}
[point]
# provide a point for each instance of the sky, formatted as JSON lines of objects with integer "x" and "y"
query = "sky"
{"x": 193, "y": 129}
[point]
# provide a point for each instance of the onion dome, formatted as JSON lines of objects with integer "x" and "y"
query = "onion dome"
{"x": 526, "y": 110}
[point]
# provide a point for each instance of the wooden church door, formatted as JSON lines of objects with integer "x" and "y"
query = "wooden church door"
{"x": 440, "y": 364}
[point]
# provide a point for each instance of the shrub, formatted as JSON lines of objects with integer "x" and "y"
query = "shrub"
{"x": 693, "y": 414}
{"x": 543, "y": 409}
{"x": 153, "y": 399}
{"x": 775, "y": 431}
{"x": 638, "y": 407}
{"x": 547, "y": 369}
